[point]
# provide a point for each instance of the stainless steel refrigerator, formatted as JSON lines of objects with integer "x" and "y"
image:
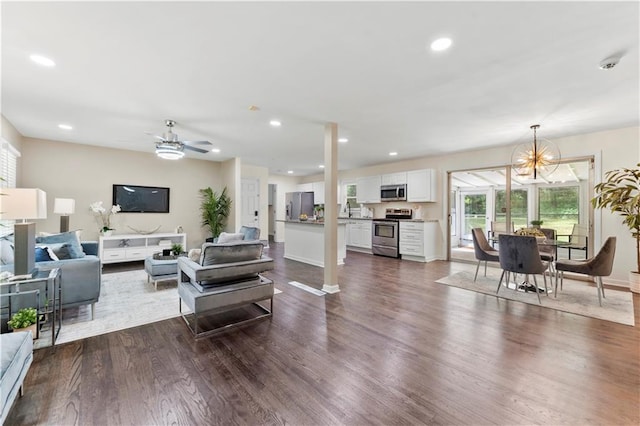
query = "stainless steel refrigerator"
{"x": 299, "y": 203}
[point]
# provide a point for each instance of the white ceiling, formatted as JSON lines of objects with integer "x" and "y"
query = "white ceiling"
{"x": 123, "y": 68}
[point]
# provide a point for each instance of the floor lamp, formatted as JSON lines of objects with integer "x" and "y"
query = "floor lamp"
{"x": 64, "y": 207}
{"x": 23, "y": 204}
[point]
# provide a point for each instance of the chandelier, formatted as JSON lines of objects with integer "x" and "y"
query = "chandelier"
{"x": 541, "y": 158}
{"x": 169, "y": 150}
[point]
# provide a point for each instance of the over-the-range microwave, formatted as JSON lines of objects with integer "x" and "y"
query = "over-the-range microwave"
{"x": 393, "y": 192}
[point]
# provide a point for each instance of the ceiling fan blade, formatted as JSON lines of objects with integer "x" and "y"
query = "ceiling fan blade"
{"x": 197, "y": 142}
{"x": 193, "y": 148}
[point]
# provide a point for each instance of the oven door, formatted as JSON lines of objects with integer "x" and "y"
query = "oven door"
{"x": 384, "y": 238}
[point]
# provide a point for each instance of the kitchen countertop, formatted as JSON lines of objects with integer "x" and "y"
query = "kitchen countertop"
{"x": 373, "y": 218}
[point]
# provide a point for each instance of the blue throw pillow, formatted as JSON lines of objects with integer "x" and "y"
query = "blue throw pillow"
{"x": 42, "y": 255}
{"x": 69, "y": 238}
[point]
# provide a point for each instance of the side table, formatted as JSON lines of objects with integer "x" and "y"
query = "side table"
{"x": 44, "y": 290}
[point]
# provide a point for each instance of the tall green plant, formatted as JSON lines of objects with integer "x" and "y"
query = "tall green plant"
{"x": 215, "y": 209}
{"x": 620, "y": 193}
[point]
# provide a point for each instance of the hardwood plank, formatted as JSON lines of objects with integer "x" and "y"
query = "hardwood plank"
{"x": 392, "y": 347}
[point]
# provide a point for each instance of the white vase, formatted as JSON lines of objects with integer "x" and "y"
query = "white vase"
{"x": 106, "y": 233}
{"x": 634, "y": 282}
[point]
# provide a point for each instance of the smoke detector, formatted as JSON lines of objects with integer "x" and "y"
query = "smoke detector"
{"x": 607, "y": 64}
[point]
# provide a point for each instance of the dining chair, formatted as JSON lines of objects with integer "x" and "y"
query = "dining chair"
{"x": 483, "y": 251}
{"x": 498, "y": 228}
{"x": 578, "y": 239}
{"x": 598, "y": 266}
{"x": 548, "y": 251}
{"x": 519, "y": 255}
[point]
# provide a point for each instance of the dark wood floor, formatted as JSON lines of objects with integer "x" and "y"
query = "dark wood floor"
{"x": 393, "y": 347}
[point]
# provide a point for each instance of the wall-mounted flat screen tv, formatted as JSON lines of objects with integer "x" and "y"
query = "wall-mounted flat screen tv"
{"x": 141, "y": 199}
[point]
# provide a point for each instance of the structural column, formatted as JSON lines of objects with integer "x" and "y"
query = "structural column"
{"x": 331, "y": 208}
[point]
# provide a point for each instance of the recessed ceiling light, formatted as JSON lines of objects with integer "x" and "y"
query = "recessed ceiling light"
{"x": 393, "y": 154}
{"x": 290, "y": 172}
{"x": 41, "y": 60}
{"x": 343, "y": 140}
{"x": 216, "y": 150}
{"x": 441, "y": 44}
{"x": 275, "y": 123}
{"x": 65, "y": 127}
{"x": 321, "y": 166}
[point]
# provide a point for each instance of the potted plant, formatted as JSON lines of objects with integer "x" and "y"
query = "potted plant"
{"x": 25, "y": 319}
{"x": 214, "y": 209}
{"x": 536, "y": 223}
{"x": 620, "y": 193}
{"x": 177, "y": 249}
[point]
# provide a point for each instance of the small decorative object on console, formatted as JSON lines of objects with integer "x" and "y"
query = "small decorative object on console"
{"x": 103, "y": 217}
{"x": 141, "y": 232}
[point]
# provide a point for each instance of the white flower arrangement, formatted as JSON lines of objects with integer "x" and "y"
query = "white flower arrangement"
{"x": 103, "y": 216}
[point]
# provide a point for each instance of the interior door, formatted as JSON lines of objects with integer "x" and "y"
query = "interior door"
{"x": 250, "y": 195}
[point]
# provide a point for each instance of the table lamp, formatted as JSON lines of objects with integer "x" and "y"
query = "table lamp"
{"x": 64, "y": 207}
{"x": 23, "y": 204}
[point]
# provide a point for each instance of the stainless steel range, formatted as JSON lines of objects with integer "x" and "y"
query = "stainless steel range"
{"x": 385, "y": 232}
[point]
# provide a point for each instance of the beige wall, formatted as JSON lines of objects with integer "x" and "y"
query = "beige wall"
{"x": 231, "y": 170}
{"x": 86, "y": 173}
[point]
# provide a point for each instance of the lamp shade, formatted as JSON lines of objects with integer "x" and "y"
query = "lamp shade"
{"x": 23, "y": 203}
{"x": 64, "y": 206}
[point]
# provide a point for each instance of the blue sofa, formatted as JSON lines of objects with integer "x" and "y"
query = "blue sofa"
{"x": 80, "y": 277}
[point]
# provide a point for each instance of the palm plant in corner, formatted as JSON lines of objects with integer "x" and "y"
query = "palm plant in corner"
{"x": 620, "y": 193}
{"x": 214, "y": 210}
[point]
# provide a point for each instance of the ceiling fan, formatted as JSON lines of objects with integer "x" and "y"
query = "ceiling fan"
{"x": 170, "y": 147}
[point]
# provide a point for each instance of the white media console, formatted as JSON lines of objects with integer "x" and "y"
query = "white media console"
{"x": 130, "y": 247}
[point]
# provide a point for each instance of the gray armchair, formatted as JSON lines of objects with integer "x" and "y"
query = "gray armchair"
{"x": 227, "y": 277}
{"x": 598, "y": 266}
{"x": 483, "y": 251}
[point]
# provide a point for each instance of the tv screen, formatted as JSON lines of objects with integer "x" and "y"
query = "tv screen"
{"x": 141, "y": 199}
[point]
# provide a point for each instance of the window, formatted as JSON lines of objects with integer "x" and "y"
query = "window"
{"x": 8, "y": 172}
{"x": 519, "y": 207}
{"x": 351, "y": 190}
{"x": 559, "y": 208}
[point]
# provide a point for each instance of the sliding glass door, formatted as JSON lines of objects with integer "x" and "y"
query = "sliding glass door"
{"x": 479, "y": 200}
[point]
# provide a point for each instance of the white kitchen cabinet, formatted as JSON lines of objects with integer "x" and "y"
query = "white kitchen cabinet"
{"x": 368, "y": 189}
{"x": 418, "y": 241}
{"x": 305, "y": 187}
{"x": 421, "y": 186}
{"x": 318, "y": 192}
{"x": 394, "y": 178}
{"x": 131, "y": 247}
{"x": 358, "y": 234}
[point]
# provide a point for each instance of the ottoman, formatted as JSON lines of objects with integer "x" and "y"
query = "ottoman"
{"x": 160, "y": 269}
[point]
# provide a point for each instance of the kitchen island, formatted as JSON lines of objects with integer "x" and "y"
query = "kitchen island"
{"x": 304, "y": 241}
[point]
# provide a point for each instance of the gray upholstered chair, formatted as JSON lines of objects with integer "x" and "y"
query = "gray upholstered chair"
{"x": 598, "y": 266}
{"x": 548, "y": 252}
{"x": 578, "y": 239}
{"x": 483, "y": 251}
{"x": 519, "y": 254}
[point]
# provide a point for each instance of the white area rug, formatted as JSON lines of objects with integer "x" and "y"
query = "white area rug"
{"x": 577, "y": 297}
{"x": 126, "y": 300}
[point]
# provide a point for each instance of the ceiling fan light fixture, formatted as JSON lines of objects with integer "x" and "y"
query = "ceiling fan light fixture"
{"x": 169, "y": 151}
